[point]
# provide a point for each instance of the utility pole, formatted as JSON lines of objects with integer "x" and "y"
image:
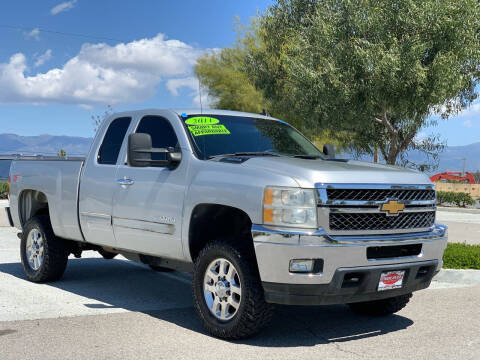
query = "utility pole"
{"x": 463, "y": 171}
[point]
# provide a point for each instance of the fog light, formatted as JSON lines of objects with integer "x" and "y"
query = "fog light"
{"x": 301, "y": 266}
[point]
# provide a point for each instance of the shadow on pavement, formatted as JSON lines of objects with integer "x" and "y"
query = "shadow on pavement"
{"x": 167, "y": 296}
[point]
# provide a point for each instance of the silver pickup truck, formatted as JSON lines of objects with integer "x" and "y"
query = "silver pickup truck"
{"x": 245, "y": 202}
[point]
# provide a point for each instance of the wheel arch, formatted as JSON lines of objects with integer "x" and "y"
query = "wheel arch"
{"x": 213, "y": 221}
{"x": 32, "y": 203}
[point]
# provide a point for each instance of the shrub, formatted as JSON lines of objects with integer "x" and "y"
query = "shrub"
{"x": 461, "y": 256}
{"x": 3, "y": 190}
{"x": 456, "y": 198}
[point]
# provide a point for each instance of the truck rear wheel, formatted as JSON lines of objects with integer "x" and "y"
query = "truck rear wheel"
{"x": 228, "y": 293}
{"x": 381, "y": 307}
{"x": 44, "y": 256}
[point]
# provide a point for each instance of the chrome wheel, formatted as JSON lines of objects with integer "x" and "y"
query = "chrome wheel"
{"x": 222, "y": 289}
{"x": 34, "y": 249}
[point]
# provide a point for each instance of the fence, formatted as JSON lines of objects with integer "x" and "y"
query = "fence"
{"x": 472, "y": 189}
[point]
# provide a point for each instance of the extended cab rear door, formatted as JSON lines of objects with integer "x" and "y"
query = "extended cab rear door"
{"x": 98, "y": 181}
{"x": 148, "y": 201}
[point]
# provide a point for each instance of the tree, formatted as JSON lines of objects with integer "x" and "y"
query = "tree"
{"x": 97, "y": 119}
{"x": 375, "y": 70}
{"x": 223, "y": 74}
{"x": 62, "y": 153}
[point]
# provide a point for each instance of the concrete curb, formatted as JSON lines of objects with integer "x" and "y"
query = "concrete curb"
{"x": 450, "y": 278}
{"x": 459, "y": 210}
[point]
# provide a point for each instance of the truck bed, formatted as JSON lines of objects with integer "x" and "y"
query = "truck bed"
{"x": 56, "y": 177}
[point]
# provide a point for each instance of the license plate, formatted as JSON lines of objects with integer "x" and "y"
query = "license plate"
{"x": 391, "y": 280}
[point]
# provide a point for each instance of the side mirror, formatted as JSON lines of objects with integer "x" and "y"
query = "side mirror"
{"x": 329, "y": 151}
{"x": 140, "y": 152}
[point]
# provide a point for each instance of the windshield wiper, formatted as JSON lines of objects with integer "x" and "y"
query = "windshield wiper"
{"x": 248, "y": 153}
{"x": 308, "y": 156}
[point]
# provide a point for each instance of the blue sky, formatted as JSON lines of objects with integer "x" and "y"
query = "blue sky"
{"x": 141, "y": 55}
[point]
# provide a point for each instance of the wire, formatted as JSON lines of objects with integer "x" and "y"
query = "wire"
{"x": 14, "y": 27}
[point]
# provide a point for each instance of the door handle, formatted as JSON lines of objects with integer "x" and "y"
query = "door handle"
{"x": 125, "y": 181}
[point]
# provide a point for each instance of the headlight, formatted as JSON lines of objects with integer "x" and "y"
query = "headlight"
{"x": 290, "y": 207}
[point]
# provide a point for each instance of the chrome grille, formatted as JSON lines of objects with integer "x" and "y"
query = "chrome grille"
{"x": 380, "y": 221}
{"x": 356, "y": 209}
{"x": 380, "y": 194}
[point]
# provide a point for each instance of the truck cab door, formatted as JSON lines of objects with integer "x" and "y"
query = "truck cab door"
{"x": 148, "y": 201}
{"x": 98, "y": 183}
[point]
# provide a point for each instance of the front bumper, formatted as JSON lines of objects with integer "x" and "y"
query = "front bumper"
{"x": 342, "y": 256}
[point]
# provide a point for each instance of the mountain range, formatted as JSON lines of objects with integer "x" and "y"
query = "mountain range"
{"x": 450, "y": 158}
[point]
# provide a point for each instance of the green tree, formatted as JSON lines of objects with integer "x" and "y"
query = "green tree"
{"x": 374, "y": 70}
{"x": 223, "y": 75}
{"x": 62, "y": 153}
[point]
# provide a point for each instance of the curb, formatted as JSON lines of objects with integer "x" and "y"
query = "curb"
{"x": 459, "y": 210}
{"x": 450, "y": 278}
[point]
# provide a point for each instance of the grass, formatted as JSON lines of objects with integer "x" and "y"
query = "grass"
{"x": 461, "y": 256}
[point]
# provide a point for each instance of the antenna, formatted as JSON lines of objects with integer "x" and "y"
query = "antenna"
{"x": 200, "y": 95}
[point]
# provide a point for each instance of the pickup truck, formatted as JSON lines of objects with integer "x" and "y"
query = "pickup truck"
{"x": 245, "y": 202}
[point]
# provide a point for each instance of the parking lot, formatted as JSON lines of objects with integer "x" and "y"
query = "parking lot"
{"x": 106, "y": 309}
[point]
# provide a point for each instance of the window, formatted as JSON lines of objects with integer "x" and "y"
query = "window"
{"x": 112, "y": 142}
{"x": 161, "y": 131}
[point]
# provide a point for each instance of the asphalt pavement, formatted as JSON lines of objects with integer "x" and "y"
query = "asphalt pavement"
{"x": 116, "y": 309}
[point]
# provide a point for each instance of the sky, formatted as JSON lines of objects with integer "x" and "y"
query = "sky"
{"x": 63, "y": 61}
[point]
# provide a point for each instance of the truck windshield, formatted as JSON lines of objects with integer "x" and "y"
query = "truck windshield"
{"x": 214, "y": 135}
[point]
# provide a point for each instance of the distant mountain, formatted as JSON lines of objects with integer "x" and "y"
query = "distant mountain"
{"x": 43, "y": 144}
{"x": 451, "y": 158}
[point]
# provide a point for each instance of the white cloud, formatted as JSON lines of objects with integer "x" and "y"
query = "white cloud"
{"x": 34, "y": 34}
{"x": 467, "y": 123}
{"x": 42, "y": 59}
{"x": 102, "y": 74}
{"x": 174, "y": 84}
{"x": 64, "y": 6}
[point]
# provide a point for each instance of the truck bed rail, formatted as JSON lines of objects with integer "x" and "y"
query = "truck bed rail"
{"x": 18, "y": 157}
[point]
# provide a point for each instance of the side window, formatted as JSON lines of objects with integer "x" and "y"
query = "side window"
{"x": 161, "y": 131}
{"x": 112, "y": 142}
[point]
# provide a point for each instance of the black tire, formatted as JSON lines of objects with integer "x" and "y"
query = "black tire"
{"x": 253, "y": 312}
{"x": 107, "y": 254}
{"x": 381, "y": 307}
{"x": 160, "y": 268}
{"x": 55, "y": 253}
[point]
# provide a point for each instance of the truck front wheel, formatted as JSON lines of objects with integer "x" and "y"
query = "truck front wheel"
{"x": 381, "y": 307}
{"x": 227, "y": 291}
{"x": 44, "y": 256}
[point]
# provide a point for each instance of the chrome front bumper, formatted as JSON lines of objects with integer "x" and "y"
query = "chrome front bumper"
{"x": 275, "y": 247}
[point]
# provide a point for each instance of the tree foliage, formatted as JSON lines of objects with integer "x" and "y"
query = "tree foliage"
{"x": 369, "y": 72}
{"x": 376, "y": 69}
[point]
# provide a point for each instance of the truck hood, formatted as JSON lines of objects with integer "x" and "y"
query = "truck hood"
{"x": 310, "y": 172}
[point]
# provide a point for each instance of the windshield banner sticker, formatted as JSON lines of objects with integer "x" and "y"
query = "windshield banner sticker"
{"x": 198, "y": 130}
{"x": 202, "y": 120}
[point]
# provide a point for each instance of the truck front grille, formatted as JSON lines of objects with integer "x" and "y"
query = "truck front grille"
{"x": 351, "y": 209}
{"x": 380, "y": 221}
{"x": 380, "y": 194}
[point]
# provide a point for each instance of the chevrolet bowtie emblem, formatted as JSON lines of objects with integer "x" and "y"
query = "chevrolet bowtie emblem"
{"x": 392, "y": 207}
